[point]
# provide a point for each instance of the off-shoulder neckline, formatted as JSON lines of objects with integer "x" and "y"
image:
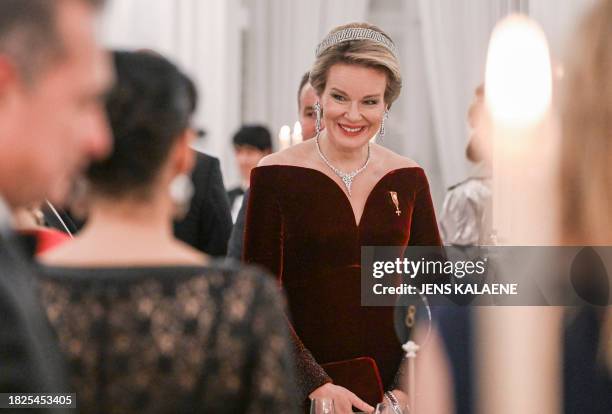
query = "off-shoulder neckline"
{"x": 356, "y": 220}
{"x": 394, "y": 170}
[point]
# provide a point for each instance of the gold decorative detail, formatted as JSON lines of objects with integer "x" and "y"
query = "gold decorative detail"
{"x": 395, "y": 200}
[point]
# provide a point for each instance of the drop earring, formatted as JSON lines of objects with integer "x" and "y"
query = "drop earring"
{"x": 381, "y": 132}
{"x": 317, "y": 108}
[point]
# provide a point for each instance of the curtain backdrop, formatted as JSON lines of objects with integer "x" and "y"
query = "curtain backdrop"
{"x": 452, "y": 52}
{"x": 280, "y": 47}
{"x": 443, "y": 45}
{"x": 558, "y": 19}
{"x": 247, "y": 57}
{"x": 204, "y": 38}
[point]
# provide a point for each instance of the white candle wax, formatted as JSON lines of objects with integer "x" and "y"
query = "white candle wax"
{"x": 284, "y": 137}
{"x": 296, "y": 136}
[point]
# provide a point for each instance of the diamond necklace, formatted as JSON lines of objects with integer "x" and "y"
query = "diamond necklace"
{"x": 347, "y": 178}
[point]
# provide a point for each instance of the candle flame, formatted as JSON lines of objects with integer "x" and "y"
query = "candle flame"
{"x": 297, "y": 128}
{"x": 518, "y": 78}
{"x": 285, "y": 132}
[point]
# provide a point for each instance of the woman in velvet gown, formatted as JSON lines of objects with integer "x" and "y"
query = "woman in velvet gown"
{"x": 307, "y": 228}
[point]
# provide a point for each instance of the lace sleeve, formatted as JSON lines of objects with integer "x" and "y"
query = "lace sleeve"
{"x": 272, "y": 377}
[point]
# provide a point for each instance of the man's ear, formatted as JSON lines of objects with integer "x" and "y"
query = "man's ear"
{"x": 9, "y": 77}
{"x": 184, "y": 155}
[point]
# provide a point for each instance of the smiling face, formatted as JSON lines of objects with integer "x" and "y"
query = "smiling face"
{"x": 353, "y": 104}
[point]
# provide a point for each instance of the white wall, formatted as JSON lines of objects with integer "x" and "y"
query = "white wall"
{"x": 204, "y": 38}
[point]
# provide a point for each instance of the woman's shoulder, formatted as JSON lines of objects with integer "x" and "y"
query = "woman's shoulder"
{"x": 391, "y": 161}
{"x": 292, "y": 156}
{"x": 237, "y": 270}
{"x": 277, "y": 167}
{"x": 241, "y": 271}
{"x": 408, "y": 171}
{"x": 86, "y": 251}
{"x": 249, "y": 282}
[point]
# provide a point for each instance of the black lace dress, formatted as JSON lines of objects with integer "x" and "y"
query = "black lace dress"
{"x": 171, "y": 339}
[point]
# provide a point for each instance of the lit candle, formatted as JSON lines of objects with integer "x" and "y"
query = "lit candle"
{"x": 518, "y": 93}
{"x": 521, "y": 342}
{"x": 296, "y": 136}
{"x": 284, "y": 137}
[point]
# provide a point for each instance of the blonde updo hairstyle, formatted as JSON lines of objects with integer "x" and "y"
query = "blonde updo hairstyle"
{"x": 366, "y": 53}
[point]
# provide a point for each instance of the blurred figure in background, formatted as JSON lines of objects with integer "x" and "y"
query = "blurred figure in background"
{"x": 306, "y": 100}
{"x": 446, "y": 381}
{"x": 307, "y": 97}
{"x": 466, "y": 213}
{"x": 251, "y": 144}
{"x": 447, "y": 363}
{"x": 146, "y": 322}
{"x": 207, "y": 224}
{"x": 586, "y": 203}
{"x": 53, "y": 76}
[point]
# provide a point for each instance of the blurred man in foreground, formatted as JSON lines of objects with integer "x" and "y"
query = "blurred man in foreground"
{"x": 53, "y": 76}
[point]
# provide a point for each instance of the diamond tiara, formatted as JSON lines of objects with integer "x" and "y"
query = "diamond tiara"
{"x": 356, "y": 33}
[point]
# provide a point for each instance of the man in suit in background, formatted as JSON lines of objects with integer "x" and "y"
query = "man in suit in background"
{"x": 53, "y": 77}
{"x": 306, "y": 99}
{"x": 251, "y": 144}
{"x": 208, "y": 224}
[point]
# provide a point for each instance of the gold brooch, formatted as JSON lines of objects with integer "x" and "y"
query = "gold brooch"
{"x": 393, "y": 196}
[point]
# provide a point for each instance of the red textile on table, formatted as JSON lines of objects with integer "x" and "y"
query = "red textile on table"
{"x": 301, "y": 227}
{"x": 46, "y": 238}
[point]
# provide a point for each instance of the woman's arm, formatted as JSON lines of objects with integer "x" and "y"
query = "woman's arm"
{"x": 272, "y": 379}
{"x": 263, "y": 245}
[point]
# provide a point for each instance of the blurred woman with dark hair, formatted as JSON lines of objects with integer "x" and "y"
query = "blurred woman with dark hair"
{"x": 146, "y": 322}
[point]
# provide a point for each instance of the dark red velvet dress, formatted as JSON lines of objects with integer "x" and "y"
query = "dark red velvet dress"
{"x": 301, "y": 227}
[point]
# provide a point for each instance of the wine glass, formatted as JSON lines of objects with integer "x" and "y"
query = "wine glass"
{"x": 322, "y": 406}
{"x": 386, "y": 408}
{"x": 383, "y": 408}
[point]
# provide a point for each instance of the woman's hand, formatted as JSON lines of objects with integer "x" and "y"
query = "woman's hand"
{"x": 344, "y": 400}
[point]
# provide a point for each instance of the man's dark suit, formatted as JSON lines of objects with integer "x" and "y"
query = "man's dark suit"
{"x": 30, "y": 360}
{"x": 233, "y": 194}
{"x": 234, "y": 248}
{"x": 208, "y": 223}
